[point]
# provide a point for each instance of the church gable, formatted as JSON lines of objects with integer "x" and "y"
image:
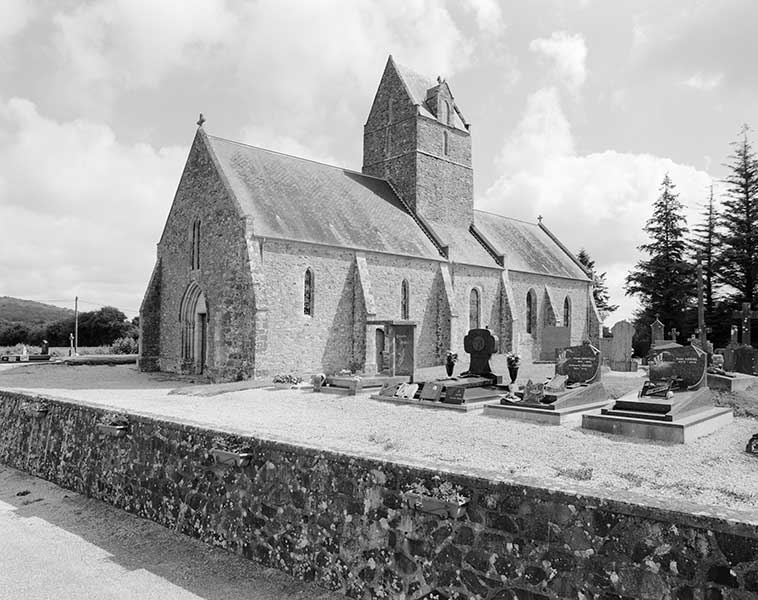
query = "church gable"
{"x": 393, "y": 100}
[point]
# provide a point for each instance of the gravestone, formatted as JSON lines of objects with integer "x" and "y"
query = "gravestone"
{"x": 656, "y": 333}
{"x": 746, "y": 360}
{"x": 621, "y": 346}
{"x": 674, "y": 405}
{"x": 553, "y": 338}
{"x": 580, "y": 364}
{"x": 685, "y": 365}
{"x": 746, "y": 316}
{"x": 480, "y": 345}
{"x": 575, "y": 387}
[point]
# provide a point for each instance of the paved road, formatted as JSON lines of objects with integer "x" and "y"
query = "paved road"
{"x": 55, "y": 544}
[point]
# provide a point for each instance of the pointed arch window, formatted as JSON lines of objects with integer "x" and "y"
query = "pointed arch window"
{"x": 474, "y": 309}
{"x": 444, "y": 112}
{"x": 195, "y": 245}
{"x": 308, "y": 293}
{"x": 531, "y": 312}
{"x": 405, "y": 301}
{"x": 567, "y": 312}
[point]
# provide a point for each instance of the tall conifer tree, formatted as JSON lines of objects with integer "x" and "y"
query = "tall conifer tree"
{"x": 599, "y": 286}
{"x": 665, "y": 282}
{"x": 738, "y": 240}
{"x": 704, "y": 246}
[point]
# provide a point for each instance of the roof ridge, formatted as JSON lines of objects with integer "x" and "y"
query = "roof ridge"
{"x": 488, "y": 212}
{"x": 310, "y": 160}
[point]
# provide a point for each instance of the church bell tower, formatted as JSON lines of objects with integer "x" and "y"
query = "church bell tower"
{"x": 417, "y": 138}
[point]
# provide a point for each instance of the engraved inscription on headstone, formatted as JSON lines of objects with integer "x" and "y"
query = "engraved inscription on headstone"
{"x": 581, "y": 364}
{"x": 686, "y": 363}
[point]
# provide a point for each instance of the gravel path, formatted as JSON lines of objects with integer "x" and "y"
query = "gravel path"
{"x": 713, "y": 470}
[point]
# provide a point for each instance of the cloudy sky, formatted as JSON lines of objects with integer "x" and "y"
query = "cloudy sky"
{"x": 578, "y": 108}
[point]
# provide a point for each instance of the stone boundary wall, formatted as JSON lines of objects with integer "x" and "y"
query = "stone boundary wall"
{"x": 343, "y": 520}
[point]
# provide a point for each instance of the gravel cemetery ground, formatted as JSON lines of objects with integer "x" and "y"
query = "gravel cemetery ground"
{"x": 713, "y": 470}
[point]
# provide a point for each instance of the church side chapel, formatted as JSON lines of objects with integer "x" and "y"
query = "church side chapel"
{"x": 270, "y": 263}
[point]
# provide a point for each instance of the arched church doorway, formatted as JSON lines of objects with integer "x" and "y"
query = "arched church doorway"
{"x": 193, "y": 322}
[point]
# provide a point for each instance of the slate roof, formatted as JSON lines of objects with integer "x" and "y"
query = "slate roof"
{"x": 298, "y": 199}
{"x": 526, "y": 246}
{"x": 418, "y": 85}
{"x": 465, "y": 248}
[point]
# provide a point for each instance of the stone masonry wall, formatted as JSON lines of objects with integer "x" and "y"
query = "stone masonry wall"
{"x": 150, "y": 323}
{"x": 223, "y": 276}
{"x": 330, "y": 339}
{"x": 343, "y": 520}
{"x": 576, "y": 291}
{"x": 487, "y": 282}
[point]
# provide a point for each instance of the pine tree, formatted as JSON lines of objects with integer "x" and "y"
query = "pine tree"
{"x": 704, "y": 247}
{"x": 738, "y": 261}
{"x": 664, "y": 283}
{"x": 600, "y": 287}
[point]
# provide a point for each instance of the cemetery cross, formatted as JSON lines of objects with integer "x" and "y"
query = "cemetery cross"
{"x": 746, "y": 315}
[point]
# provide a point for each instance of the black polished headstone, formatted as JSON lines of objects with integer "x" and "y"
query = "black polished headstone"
{"x": 580, "y": 364}
{"x": 481, "y": 345}
{"x": 687, "y": 363}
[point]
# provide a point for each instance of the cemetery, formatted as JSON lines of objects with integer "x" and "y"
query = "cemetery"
{"x": 595, "y": 474}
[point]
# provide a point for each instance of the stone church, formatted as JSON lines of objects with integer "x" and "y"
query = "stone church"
{"x": 270, "y": 263}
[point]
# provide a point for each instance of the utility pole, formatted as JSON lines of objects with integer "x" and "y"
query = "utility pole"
{"x": 76, "y": 326}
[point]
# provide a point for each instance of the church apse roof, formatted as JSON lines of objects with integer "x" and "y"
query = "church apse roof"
{"x": 302, "y": 200}
{"x": 527, "y": 246}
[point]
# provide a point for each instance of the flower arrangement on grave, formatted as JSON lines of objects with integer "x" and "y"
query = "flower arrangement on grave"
{"x": 514, "y": 360}
{"x": 287, "y": 378}
{"x": 450, "y": 359}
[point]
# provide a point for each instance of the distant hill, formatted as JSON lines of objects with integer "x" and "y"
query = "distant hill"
{"x": 29, "y": 312}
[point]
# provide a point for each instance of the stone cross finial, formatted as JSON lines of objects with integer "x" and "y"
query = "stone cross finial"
{"x": 539, "y": 219}
{"x": 201, "y": 120}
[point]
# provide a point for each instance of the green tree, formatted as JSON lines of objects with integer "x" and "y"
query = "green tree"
{"x": 102, "y": 327}
{"x": 704, "y": 247}
{"x": 737, "y": 264}
{"x": 600, "y": 287}
{"x": 665, "y": 282}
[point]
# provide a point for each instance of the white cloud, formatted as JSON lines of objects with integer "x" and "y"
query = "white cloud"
{"x": 489, "y": 16}
{"x": 16, "y": 15}
{"x": 568, "y": 56}
{"x": 80, "y": 212}
{"x": 607, "y": 193}
{"x": 133, "y": 43}
{"x": 704, "y": 83}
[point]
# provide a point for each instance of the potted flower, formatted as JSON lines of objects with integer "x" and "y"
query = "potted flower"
{"x": 114, "y": 424}
{"x": 443, "y": 499}
{"x": 450, "y": 360}
{"x": 230, "y": 454}
{"x": 514, "y": 362}
{"x": 285, "y": 381}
